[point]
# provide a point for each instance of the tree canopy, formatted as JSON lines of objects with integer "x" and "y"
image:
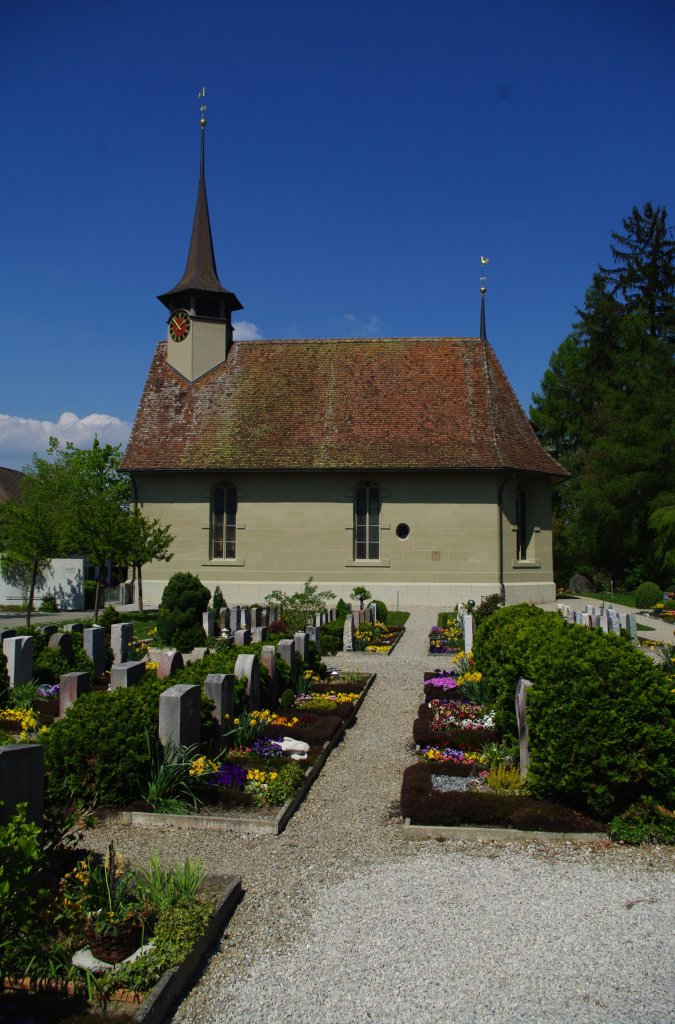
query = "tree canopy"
{"x": 605, "y": 410}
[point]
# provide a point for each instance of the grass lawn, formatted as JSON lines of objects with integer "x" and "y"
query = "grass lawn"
{"x": 621, "y": 597}
{"x": 397, "y": 618}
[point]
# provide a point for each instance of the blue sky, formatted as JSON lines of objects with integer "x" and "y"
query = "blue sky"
{"x": 361, "y": 156}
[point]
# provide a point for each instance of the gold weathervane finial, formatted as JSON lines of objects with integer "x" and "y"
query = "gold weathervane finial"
{"x": 484, "y": 260}
{"x": 202, "y": 109}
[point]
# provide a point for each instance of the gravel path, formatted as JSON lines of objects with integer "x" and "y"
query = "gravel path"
{"x": 346, "y": 921}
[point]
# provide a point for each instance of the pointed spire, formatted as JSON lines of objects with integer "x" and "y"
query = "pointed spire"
{"x": 483, "y": 288}
{"x": 200, "y": 274}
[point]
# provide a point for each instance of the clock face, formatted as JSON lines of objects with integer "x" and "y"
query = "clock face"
{"x": 179, "y": 325}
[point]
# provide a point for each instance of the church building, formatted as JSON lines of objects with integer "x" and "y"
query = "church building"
{"x": 405, "y": 465}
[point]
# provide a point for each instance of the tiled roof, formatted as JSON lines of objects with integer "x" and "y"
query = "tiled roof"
{"x": 10, "y": 484}
{"x": 366, "y": 404}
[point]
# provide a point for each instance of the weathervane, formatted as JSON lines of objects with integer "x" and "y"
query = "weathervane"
{"x": 202, "y": 109}
{"x": 484, "y": 260}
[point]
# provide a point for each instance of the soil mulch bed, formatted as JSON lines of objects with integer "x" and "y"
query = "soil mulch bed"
{"x": 338, "y": 710}
{"x": 317, "y": 732}
{"x": 461, "y": 739}
{"x": 340, "y": 687}
{"x": 423, "y": 805}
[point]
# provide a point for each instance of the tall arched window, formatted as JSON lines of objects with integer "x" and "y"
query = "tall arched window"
{"x": 367, "y": 521}
{"x": 521, "y": 525}
{"x": 224, "y": 522}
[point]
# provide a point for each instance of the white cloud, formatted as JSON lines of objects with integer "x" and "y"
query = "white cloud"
{"x": 20, "y": 437}
{"x": 244, "y": 330}
{"x": 362, "y": 328}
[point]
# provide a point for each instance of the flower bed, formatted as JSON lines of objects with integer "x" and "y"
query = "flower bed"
{"x": 445, "y": 639}
{"x": 377, "y": 638}
{"x": 421, "y": 804}
{"x": 465, "y": 776}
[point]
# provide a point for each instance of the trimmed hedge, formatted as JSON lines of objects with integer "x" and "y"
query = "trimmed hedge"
{"x": 600, "y": 713}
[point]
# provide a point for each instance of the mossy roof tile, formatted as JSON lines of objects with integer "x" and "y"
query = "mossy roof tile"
{"x": 383, "y": 403}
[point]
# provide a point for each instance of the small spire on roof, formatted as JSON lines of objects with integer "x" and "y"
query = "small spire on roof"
{"x": 202, "y": 109}
{"x": 484, "y": 260}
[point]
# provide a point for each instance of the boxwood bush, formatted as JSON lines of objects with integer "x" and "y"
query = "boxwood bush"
{"x": 647, "y": 595}
{"x": 184, "y": 600}
{"x": 600, "y": 713}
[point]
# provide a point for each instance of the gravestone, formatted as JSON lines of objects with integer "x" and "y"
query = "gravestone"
{"x": 220, "y": 689}
{"x": 247, "y": 665}
{"x": 521, "y": 708}
{"x": 168, "y": 663}
{"x": 22, "y": 769}
{"x": 604, "y": 623}
{"x": 179, "y": 715}
{"x": 264, "y": 616}
{"x": 314, "y": 634}
{"x": 50, "y": 630}
{"x": 207, "y": 623}
{"x": 75, "y": 627}
{"x": 256, "y": 618}
{"x": 318, "y": 620}
{"x": 302, "y": 645}
{"x": 127, "y": 674}
{"x": 631, "y": 626}
{"x": 348, "y": 633}
{"x": 19, "y": 653}
{"x": 5, "y": 634}
{"x": 268, "y": 659}
{"x": 585, "y": 619}
{"x": 234, "y": 621}
{"x": 615, "y": 624}
{"x": 62, "y": 642}
{"x": 93, "y": 641}
{"x": 286, "y": 651}
{"x": 224, "y": 619}
{"x": 324, "y": 618}
{"x": 258, "y": 634}
{"x": 242, "y": 637}
{"x": 245, "y": 618}
{"x": 121, "y": 635}
{"x": 579, "y": 584}
{"x": 468, "y": 632}
{"x": 196, "y": 654}
{"x": 71, "y": 686}
{"x": 372, "y": 612}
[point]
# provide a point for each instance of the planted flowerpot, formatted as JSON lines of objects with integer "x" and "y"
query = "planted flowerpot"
{"x": 112, "y": 948}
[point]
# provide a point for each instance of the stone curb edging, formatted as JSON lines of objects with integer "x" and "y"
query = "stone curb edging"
{"x": 473, "y": 832}
{"x": 242, "y": 823}
{"x": 174, "y": 982}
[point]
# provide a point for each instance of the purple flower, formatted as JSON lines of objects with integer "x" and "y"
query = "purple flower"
{"x": 228, "y": 775}
{"x": 442, "y": 682}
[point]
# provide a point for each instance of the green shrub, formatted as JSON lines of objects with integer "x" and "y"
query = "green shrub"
{"x": 108, "y": 617}
{"x": 600, "y": 714}
{"x": 218, "y": 603}
{"x": 486, "y": 608}
{"x": 342, "y": 608}
{"x": 289, "y": 778}
{"x": 186, "y": 638}
{"x": 184, "y": 601}
{"x": 298, "y": 608}
{"x": 98, "y": 752}
{"x": 382, "y": 612}
{"x": 331, "y": 636}
{"x": 647, "y": 595}
{"x": 646, "y": 821}
{"x": 287, "y": 698}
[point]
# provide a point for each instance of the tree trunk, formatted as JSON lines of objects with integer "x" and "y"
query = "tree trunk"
{"x": 140, "y": 587}
{"x": 31, "y": 592}
{"x": 97, "y": 599}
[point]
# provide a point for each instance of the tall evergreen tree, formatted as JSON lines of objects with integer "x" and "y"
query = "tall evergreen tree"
{"x": 606, "y": 409}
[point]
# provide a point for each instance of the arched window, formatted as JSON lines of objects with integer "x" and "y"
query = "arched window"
{"x": 521, "y": 525}
{"x": 367, "y": 521}
{"x": 224, "y": 522}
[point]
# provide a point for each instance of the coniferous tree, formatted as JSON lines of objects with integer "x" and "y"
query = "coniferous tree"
{"x": 606, "y": 411}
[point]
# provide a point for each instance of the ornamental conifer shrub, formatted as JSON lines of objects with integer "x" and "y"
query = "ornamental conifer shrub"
{"x": 184, "y": 601}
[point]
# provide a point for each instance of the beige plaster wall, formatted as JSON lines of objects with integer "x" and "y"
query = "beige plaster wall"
{"x": 292, "y": 526}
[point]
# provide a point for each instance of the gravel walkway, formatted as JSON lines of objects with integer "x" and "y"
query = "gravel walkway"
{"x": 346, "y": 921}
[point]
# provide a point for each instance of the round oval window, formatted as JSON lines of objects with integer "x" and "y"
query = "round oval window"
{"x": 402, "y": 531}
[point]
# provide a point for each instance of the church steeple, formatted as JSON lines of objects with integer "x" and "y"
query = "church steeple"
{"x": 200, "y": 326}
{"x": 200, "y": 277}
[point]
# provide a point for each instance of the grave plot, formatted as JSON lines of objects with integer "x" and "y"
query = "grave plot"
{"x": 465, "y": 777}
